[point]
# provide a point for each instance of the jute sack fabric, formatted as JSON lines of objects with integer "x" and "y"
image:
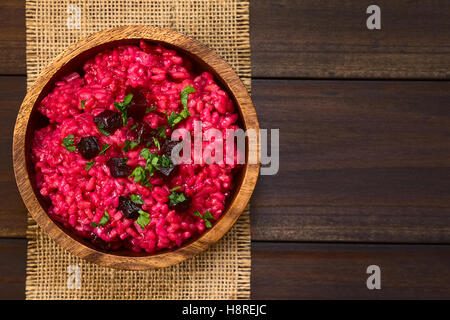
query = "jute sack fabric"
{"x": 221, "y": 272}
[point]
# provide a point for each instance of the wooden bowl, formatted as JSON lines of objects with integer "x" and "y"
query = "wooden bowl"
{"x": 29, "y": 119}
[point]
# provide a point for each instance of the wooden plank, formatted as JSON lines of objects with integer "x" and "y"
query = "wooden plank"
{"x": 12, "y": 37}
{"x": 12, "y": 210}
{"x": 306, "y": 271}
{"x": 331, "y": 271}
{"x": 12, "y": 268}
{"x": 351, "y": 224}
{"x": 329, "y": 39}
{"x": 313, "y": 39}
{"x": 360, "y": 161}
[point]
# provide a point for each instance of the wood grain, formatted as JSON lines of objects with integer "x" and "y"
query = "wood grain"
{"x": 12, "y": 210}
{"x": 331, "y": 271}
{"x": 313, "y": 39}
{"x": 72, "y": 59}
{"x": 351, "y": 169}
{"x": 329, "y": 39}
{"x": 361, "y": 161}
{"x": 12, "y": 37}
{"x": 309, "y": 271}
{"x": 12, "y": 268}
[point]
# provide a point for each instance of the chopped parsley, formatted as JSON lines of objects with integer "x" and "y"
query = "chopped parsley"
{"x": 177, "y": 197}
{"x": 206, "y": 217}
{"x": 141, "y": 175}
{"x": 136, "y": 199}
{"x": 89, "y": 165}
{"x": 165, "y": 161}
{"x": 100, "y": 128}
{"x": 156, "y": 142}
{"x": 83, "y": 106}
{"x": 104, "y": 148}
{"x": 102, "y": 221}
{"x": 133, "y": 127}
{"x": 122, "y": 107}
{"x": 144, "y": 219}
{"x": 129, "y": 145}
{"x": 161, "y": 131}
{"x": 185, "y": 113}
{"x": 68, "y": 143}
{"x": 175, "y": 189}
{"x": 174, "y": 118}
{"x": 145, "y": 153}
{"x": 184, "y": 95}
{"x": 148, "y": 110}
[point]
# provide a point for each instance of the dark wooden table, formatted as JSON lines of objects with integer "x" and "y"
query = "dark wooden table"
{"x": 364, "y": 120}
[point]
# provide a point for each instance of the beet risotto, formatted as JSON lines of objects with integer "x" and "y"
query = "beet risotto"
{"x": 104, "y": 161}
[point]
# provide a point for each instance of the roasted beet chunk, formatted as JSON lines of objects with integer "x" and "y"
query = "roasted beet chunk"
{"x": 88, "y": 147}
{"x": 108, "y": 121}
{"x": 144, "y": 134}
{"x": 170, "y": 169}
{"x": 180, "y": 206}
{"x": 118, "y": 167}
{"x": 168, "y": 172}
{"x": 168, "y": 146}
{"x": 138, "y": 104}
{"x": 129, "y": 209}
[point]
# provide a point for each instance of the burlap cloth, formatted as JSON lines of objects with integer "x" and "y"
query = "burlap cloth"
{"x": 221, "y": 272}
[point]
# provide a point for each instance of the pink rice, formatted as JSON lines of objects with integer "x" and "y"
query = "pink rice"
{"x": 79, "y": 197}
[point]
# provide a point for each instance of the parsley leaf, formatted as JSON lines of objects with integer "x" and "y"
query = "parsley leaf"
{"x": 104, "y": 148}
{"x": 156, "y": 142}
{"x": 144, "y": 219}
{"x": 129, "y": 145}
{"x": 102, "y": 221}
{"x": 174, "y": 189}
{"x": 140, "y": 174}
{"x": 184, "y": 95}
{"x": 128, "y": 98}
{"x": 68, "y": 143}
{"x": 136, "y": 199}
{"x": 122, "y": 107}
{"x": 69, "y": 140}
{"x": 165, "y": 161}
{"x": 133, "y": 127}
{"x": 83, "y": 106}
{"x": 145, "y": 153}
{"x": 103, "y": 131}
{"x": 177, "y": 197}
{"x": 174, "y": 118}
{"x": 148, "y": 110}
{"x": 206, "y": 217}
{"x": 185, "y": 113}
{"x": 153, "y": 161}
{"x": 89, "y": 165}
{"x": 162, "y": 132}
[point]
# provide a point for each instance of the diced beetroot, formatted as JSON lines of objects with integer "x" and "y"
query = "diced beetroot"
{"x": 118, "y": 167}
{"x": 88, "y": 147}
{"x": 109, "y": 121}
{"x": 129, "y": 209}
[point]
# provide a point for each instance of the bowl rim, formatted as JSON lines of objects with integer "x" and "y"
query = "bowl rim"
{"x": 171, "y": 38}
